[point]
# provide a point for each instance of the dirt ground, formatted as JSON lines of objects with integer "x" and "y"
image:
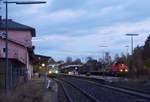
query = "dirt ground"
{"x": 33, "y": 91}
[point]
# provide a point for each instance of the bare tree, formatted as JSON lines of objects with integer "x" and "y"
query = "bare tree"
{"x": 108, "y": 59}
{"x": 78, "y": 61}
{"x": 69, "y": 60}
{"x": 138, "y": 66}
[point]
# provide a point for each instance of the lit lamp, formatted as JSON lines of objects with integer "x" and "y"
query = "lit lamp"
{"x": 76, "y": 68}
{"x": 43, "y": 65}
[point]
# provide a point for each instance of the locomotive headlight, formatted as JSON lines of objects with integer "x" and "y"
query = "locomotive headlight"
{"x": 50, "y": 72}
{"x": 121, "y": 70}
{"x": 56, "y": 71}
{"x": 126, "y": 70}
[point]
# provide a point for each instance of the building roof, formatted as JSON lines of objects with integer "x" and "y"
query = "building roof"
{"x": 69, "y": 66}
{"x": 42, "y": 56}
{"x": 12, "y": 25}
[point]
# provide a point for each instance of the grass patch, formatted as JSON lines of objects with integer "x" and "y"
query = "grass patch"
{"x": 33, "y": 91}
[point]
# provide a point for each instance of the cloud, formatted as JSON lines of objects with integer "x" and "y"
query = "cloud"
{"x": 61, "y": 16}
{"x": 78, "y": 27}
{"x": 112, "y": 36}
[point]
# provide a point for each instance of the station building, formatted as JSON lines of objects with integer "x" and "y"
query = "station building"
{"x": 20, "y": 52}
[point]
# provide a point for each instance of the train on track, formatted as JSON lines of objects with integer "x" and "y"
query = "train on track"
{"x": 117, "y": 69}
{"x": 53, "y": 70}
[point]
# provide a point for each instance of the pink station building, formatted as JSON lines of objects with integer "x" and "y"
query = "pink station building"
{"x": 20, "y": 52}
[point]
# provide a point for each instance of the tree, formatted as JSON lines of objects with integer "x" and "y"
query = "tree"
{"x": 89, "y": 59}
{"x": 116, "y": 58}
{"x": 124, "y": 58}
{"x": 92, "y": 64}
{"x": 146, "y": 52}
{"x": 78, "y": 61}
{"x": 107, "y": 59}
{"x": 137, "y": 61}
{"x": 69, "y": 60}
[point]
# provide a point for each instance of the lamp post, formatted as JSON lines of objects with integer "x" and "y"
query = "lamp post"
{"x": 6, "y": 32}
{"x": 132, "y": 35}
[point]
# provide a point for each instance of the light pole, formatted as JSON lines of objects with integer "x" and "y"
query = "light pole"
{"x": 126, "y": 53}
{"x": 6, "y": 32}
{"x": 132, "y": 35}
{"x": 127, "y": 47}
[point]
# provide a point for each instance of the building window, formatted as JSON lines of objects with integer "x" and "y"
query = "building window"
{"x": 4, "y": 50}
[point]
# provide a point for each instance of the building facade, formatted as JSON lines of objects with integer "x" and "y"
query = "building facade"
{"x": 20, "y": 50}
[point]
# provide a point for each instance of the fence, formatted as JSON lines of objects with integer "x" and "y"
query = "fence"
{"x": 14, "y": 73}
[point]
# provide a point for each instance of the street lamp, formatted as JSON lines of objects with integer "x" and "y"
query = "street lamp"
{"x": 132, "y": 35}
{"x": 6, "y": 31}
{"x": 43, "y": 65}
{"x": 24, "y": 2}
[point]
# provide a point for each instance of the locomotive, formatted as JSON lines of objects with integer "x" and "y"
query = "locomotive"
{"x": 53, "y": 70}
{"x": 117, "y": 69}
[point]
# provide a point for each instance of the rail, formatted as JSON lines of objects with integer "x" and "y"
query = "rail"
{"x": 69, "y": 97}
{"x": 138, "y": 93}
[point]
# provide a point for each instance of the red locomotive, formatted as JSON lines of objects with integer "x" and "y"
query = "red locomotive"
{"x": 118, "y": 69}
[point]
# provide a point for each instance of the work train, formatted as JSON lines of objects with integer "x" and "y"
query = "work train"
{"x": 117, "y": 69}
{"x": 53, "y": 70}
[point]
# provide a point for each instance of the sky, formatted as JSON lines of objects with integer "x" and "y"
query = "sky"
{"x": 79, "y": 28}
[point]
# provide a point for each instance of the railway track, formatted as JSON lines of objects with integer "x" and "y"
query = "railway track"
{"x": 73, "y": 93}
{"x": 138, "y": 92}
{"x": 129, "y": 88}
{"x": 132, "y": 91}
{"x": 127, "y": 92}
